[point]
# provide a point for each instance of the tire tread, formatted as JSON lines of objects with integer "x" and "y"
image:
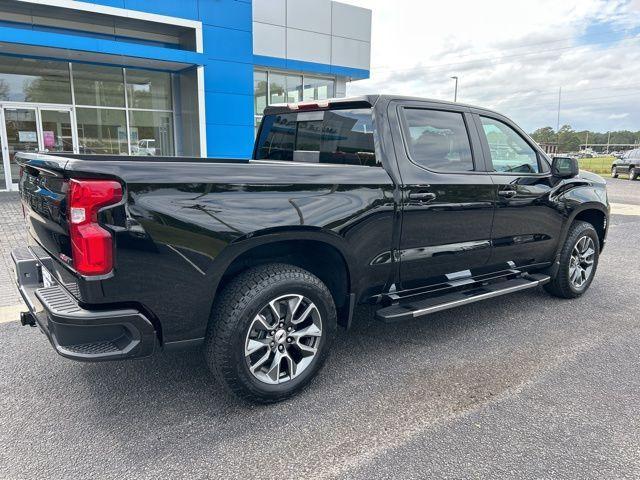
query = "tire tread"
{"x": 559, "y": 284}
{"x": 235, "y": 298}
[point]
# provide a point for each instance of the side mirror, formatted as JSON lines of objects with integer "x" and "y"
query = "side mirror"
{"x": 565, "y": 167}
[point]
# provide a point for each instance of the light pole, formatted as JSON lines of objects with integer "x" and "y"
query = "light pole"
{"x": 455, "y": 91}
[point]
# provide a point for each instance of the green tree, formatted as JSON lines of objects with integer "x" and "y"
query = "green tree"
{"x": 544, "y": 135}
{"x": 568, "y": 139}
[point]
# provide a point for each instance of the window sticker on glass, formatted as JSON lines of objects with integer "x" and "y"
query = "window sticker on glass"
{"x": 27, "y": 136}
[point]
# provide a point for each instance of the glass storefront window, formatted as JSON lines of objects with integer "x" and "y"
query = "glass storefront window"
{"x": 294, "y": 88}
{"x": 277, "y": 88}
{"x": 284, "y": 88}
{"x": 97, "y": 85}
{"x": 102, "y": 131}
{"x": 30, "y": 80}
{"x": 151, "y": 133}
{"x": 56, "y": 130}
{"x": 148, "y": 89}
{"x": 273, "y": 87}
{"x": 259, "y": 92}
{"x": 318, "y": 88}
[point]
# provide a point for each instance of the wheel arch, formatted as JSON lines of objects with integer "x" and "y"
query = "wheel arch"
{"x": 595, "y": 217}
{"x": 594, "y": 213}
{"x": 318, "y": 252}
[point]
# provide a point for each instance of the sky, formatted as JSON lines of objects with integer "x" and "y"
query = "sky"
{"x": 512, "y": 56}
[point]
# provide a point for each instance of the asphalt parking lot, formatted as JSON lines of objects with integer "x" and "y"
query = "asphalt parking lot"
{"x": 525, "y": 386}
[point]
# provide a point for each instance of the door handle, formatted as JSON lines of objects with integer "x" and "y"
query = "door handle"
{"x": 507, "y": 193}
{"x": 422, "y": 196}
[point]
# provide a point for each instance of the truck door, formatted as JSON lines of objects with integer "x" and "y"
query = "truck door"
{"x": 527, "y": 223}
{"x": 447, "y": 196}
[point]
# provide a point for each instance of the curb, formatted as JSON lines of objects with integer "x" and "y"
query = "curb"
{"x": 11, "y": 313}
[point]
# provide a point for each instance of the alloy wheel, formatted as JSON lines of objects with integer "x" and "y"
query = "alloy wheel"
{"x": 582, "y": 261}
{"x": 283, "y": 339}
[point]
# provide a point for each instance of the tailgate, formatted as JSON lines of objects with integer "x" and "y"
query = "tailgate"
{"x": 43, "y": 190}
{"x": 65, "y": 216}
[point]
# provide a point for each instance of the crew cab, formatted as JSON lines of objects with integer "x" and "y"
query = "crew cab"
{"x": 412, "y": 205}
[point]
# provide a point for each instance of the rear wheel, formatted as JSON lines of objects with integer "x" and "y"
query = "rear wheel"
{"x": 633, "y": 173}
{"x": 578, "y": 262}
{"x": 614, "y": 172}
{"x": 270, "y": 332}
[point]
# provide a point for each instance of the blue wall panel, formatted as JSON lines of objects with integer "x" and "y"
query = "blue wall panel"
{"x": 230, "y": 141}
{"x": 229, "y": 109}
{"x": 227, "y": 44}
{"x": 230, "y": 77}
{"x": 110, "y": 3}
{"x": 226, "y": 13}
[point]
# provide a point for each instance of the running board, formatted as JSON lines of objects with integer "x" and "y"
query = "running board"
{"x": 405, "y": 311}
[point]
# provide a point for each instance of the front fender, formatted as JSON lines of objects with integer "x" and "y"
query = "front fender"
{"x": 576, "y": 200}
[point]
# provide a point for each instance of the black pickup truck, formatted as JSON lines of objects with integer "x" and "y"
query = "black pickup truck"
{"x": 412, "y": 205}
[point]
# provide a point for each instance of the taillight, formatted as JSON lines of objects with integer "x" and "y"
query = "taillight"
{"x": 91, "y": 245}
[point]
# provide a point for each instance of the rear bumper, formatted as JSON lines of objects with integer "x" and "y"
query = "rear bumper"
{"x": 75, "y": 332}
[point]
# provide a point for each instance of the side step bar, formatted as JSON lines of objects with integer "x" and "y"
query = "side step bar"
{"x": 405, "y": 311}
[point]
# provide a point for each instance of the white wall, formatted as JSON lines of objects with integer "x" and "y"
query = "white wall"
{"x": 319, "y": 31}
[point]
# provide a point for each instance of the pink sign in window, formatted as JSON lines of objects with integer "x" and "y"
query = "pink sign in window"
{"x": 49, "y": 139}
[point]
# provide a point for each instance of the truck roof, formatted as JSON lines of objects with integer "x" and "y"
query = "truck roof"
{"x": 362, "y": 101}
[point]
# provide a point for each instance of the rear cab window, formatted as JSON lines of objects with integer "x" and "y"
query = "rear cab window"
{"x": 343, "y": 137}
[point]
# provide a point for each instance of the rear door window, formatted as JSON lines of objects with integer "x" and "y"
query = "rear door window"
{"x": 438, "y": 140}
{"x": 343, "y": 137}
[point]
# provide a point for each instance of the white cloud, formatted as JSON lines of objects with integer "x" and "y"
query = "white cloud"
{"x": 513, "y": 56}
{"x": 618, "y": 116}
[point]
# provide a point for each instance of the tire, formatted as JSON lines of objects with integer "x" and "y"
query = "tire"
{"x": 614, "y": 172}
{"x": 633, "y": 174}
{"x": 562, "y": 285}
{"x": 236, "y": 326}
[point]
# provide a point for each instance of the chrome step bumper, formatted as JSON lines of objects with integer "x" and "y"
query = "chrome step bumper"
{"x": 76, "y": 332}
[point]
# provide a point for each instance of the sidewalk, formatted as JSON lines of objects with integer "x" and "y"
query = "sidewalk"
{"x": 12, "y": 235}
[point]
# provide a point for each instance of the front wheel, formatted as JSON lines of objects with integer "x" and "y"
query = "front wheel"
{"x": 270, "y": 332}
{"x": 633, "y": 174}
{"x": 614, "y": 172}
{"x": 578, "y": 262}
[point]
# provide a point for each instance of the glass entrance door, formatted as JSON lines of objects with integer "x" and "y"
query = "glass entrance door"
{"x": 21, "y": 127}
{"x": 32, "y": 129}
{"x": 57, "y": 130}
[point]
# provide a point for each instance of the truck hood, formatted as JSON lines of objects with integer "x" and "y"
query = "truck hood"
{"x": 591, "y": 177}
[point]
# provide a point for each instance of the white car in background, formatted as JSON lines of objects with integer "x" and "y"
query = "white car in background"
{"x": 145, "y": 147}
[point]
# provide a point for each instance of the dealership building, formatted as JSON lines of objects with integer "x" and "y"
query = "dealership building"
{"x": 166, "y": 77}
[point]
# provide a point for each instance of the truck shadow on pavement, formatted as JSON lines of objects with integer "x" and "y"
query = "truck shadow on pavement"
{"x": 179, "y": 385}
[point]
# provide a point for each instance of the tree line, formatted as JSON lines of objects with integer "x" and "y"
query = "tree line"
{"x": 569, "y": 140}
